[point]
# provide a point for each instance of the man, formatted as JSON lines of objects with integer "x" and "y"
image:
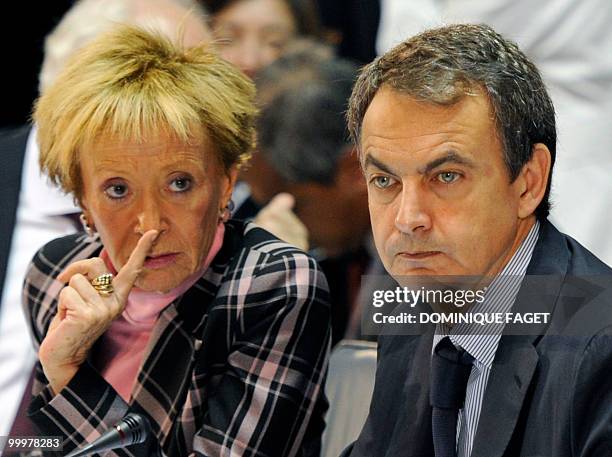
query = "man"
{"x": 571, "y": 45}
{"x": 456, "y": 136}
{"x": 33, "y": 211}
{"x": 303, "y": 92}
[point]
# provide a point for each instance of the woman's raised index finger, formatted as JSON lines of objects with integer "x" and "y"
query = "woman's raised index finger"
{"x": 126, "y": 277}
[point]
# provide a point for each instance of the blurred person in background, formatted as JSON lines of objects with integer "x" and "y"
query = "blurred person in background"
{"x": 35, "y": 211}
{"x": 253, "y": 33}
{"x": 303, "y": 140}
{"x": 166, "y": 307}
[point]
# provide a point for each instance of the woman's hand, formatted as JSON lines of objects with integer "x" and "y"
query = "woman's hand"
{"x": 83, "y": 315}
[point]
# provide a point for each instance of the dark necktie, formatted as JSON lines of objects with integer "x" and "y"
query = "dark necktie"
{"x": 450, "y": 370}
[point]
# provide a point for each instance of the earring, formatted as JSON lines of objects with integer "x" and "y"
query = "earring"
{"x": 88, "y": 229}
{"x": 226, "y": 213}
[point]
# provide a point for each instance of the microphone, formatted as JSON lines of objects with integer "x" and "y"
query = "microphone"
{"x": 132, "y": 429}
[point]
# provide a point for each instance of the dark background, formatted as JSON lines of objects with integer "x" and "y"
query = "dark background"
{"x": 22, "y": 38}
{"x": 27, "y": 23}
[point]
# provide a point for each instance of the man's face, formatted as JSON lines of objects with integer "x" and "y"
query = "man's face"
{"x": 440, "y": 197}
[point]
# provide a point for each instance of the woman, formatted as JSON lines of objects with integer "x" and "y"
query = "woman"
{"x": 253, "y": 33}
{"x": 214, "y": 330}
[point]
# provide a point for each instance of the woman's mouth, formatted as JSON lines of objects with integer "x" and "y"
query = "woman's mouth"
{"x": 160, "y": 261}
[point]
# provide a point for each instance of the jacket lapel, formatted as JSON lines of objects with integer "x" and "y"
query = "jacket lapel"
{"x": 516, "y": 359}
{"x": 418, "y": 440}
{"x": 515, "y": 363}
{"x": 411, "y": 434}
{"x": 168, "y": 365}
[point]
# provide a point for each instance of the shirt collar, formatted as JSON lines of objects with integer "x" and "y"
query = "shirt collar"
{"x": 499, "y": 297}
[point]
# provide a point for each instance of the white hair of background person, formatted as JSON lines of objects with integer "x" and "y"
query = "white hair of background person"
{"x": 570, "y": 42}
{"x": 88, "y": 18}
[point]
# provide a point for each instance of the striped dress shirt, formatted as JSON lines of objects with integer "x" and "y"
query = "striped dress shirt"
{"x": 499, "y": 298}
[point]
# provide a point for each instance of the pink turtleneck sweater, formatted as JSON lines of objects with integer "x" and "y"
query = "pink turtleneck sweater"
{"x": 122, "y": 347}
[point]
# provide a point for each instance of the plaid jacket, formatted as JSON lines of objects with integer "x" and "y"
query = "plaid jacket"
{"x": 234, "y": 367}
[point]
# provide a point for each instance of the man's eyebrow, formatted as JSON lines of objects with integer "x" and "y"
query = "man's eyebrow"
{"x": 372, "y": 161}
{"x": 449, "y": 157}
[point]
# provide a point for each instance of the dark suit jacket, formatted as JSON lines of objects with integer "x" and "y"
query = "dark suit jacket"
{"x": 234, "y": 366}
{"x": 547, "y": 395}
{"x": 12, "y": 152}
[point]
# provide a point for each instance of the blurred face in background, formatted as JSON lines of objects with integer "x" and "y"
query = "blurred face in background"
{"x": 252, "y": 33}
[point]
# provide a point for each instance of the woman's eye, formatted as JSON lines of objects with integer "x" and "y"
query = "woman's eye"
{"x": 116, "y": 191}
{"x": 382, "y": 182}
{"x": 448, "y": 177}
{"x": 180, "y": 184}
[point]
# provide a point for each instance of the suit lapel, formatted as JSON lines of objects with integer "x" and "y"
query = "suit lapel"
{"x": 166, "y": 373}
{"x": 516, "y": 359}
{"x": 515, "y": 363}
{"x": 419, "y": 439}
{"x": 411, "y": 435}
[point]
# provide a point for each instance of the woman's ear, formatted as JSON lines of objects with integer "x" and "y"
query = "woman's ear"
{"x": 78, "y": 201}
{"x": 85, "y": 217}
{"x": 534, "y": 180}
{"x": 227, "y": 183}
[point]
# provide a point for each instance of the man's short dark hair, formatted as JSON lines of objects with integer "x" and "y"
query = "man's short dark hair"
{"x": 443, "y": 65}
{"x": 301, "y": 128}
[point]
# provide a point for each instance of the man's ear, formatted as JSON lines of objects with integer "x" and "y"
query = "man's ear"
{"x": 349, "y": 174}
{"x": 533, "y": 180}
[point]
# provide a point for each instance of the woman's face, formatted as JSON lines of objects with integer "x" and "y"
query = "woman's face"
{"x": 163, "y": 184}
{"x": 252, "y": 33}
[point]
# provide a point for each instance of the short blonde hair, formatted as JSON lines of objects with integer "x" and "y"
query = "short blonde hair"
{"x": 132, "y": 83}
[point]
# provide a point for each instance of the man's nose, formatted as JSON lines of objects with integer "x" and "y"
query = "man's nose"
{"x": 414, "y": 212}
{"x": 151, "y": 216}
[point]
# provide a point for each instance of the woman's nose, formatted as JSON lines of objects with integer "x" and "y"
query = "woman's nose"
{"x": 150, "y": 216}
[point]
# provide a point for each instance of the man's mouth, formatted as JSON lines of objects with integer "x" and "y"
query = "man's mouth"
{"x": 418, "y": 255}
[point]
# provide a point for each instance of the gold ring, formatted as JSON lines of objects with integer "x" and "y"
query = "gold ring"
{"x": 103, "y": 284}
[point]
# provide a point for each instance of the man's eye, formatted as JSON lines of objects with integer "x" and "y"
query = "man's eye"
{"x": 447, "y": 177}
{"x": 382, "y": 182}
{"x": 116, "y": 191}
{"x": 180, "y": 184}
